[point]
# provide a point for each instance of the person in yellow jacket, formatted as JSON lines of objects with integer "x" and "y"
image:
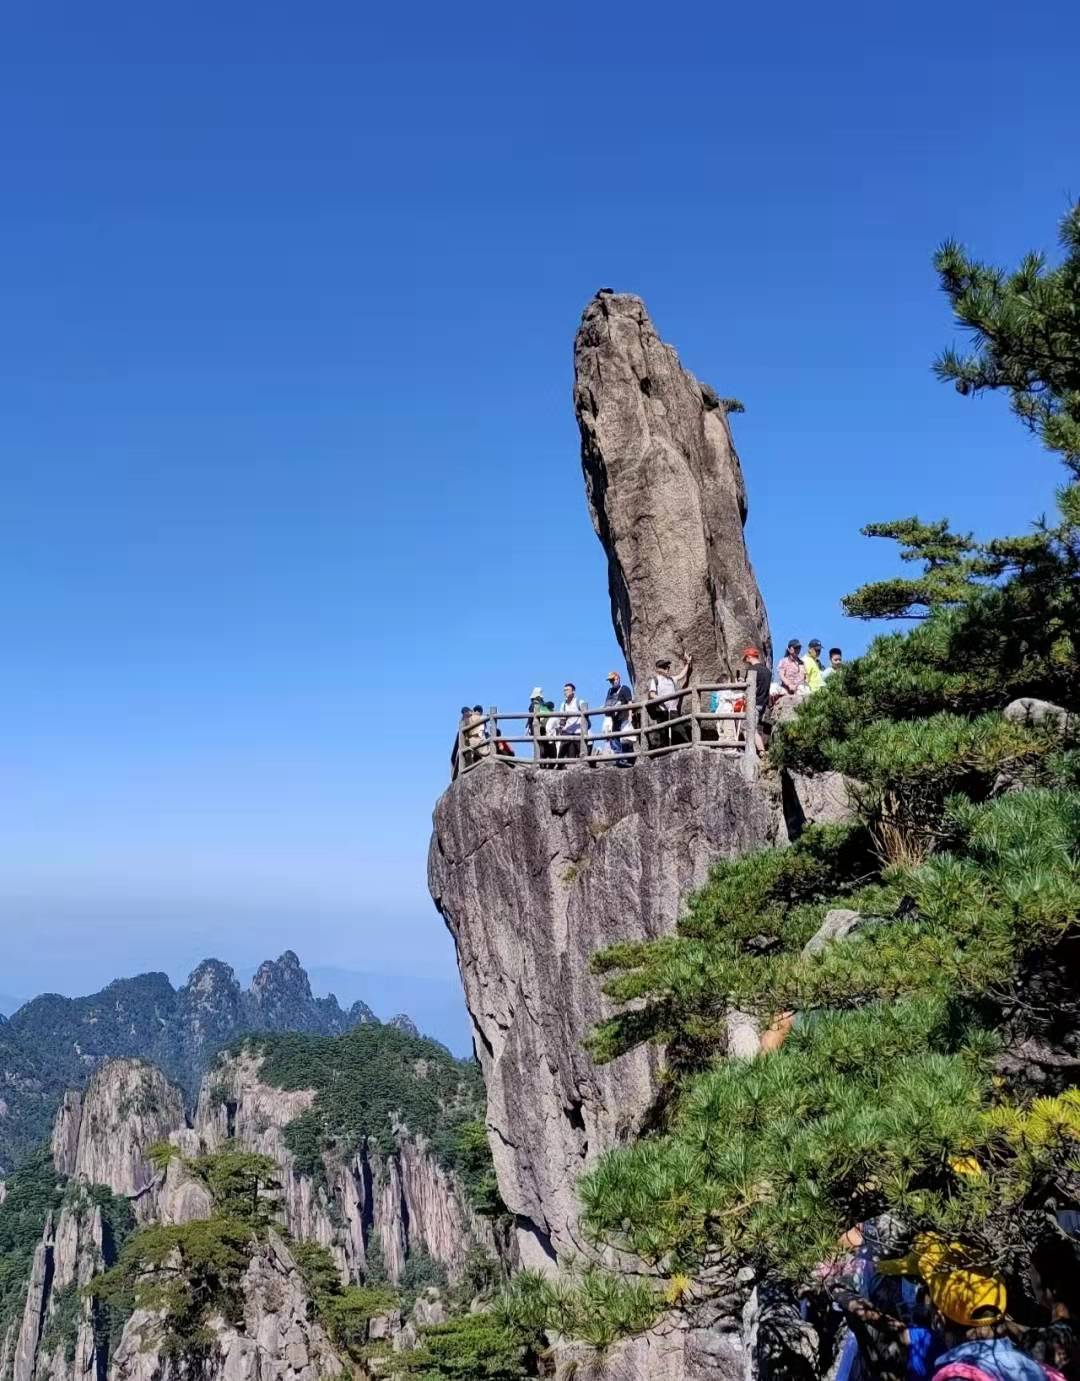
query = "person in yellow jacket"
{"x": 815, "y": 678}
{"x": 962, "y": 1293}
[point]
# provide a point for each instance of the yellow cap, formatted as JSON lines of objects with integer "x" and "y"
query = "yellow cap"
{"x": 963, "y": 1295}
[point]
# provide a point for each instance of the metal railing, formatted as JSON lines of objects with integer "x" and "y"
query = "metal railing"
{"x": 651, "y": 728}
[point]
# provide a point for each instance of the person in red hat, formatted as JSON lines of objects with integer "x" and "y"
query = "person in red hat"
{"x": 757, "y": 666}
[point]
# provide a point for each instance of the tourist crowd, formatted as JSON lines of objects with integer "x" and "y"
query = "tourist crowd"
{"x": 559, "y": 731}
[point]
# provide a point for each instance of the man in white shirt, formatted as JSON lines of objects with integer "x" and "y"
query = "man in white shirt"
{"x": 663, "y": 688}
{"x": 570, "y": 723}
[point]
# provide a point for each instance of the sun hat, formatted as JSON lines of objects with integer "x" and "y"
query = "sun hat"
{"x": 613, "y": 676}
{"x": 537, "y": 693}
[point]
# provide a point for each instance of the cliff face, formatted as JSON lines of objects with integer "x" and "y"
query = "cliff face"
{"x": 55, "y": 1340}
{"x": 534, "y": 872}
{"x": 666, "y": 495}
{"x": 277, "y": 1342}
{"x": 404, "y": 1200}
{"x": 101, "y": 1136}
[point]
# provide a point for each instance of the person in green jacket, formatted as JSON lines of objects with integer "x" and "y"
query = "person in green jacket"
{"x": 814, "y": 677}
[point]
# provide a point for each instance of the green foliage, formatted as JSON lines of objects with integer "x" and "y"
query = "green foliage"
{"x": 161, "y": 1153}
{"x": 184, "y": 1275}
{"x": 344, "y": 1310}
{"x": 421, "y": 1272}
{"x": 771, "y": 1161}
{"x": 1026, "y": 334}
{"x": 243, "y": 1185}
{"x": 367, "y": 1083}
{"x": 587, "y": 1303}
{"x": 61, "y": 1332}
{"x": 33, "y": 1191}
{"x": 953, "y": 564}
{"x": 764, "y": 905}
{"x": 468, "y": 1348}
{"x": 461, "y": 1145}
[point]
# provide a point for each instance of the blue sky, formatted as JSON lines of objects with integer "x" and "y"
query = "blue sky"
{"x": 290, "y": 466}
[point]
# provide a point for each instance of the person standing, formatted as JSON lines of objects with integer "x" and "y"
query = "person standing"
{"x": 791, "y": 671}
{"x": 761, "y": 682}
{"x": 549, "y": 727}
{"x": 815, "y": 678}
{"x": 474, "y": 735}
{"x": 618, "y": 695}
{"x": 663, "y": 689}
{"x": 569, "y": 723}
{"x": 534, "y": 725}
{"x": 836, "y": 661}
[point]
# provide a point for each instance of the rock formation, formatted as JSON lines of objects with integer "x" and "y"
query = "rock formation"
{"x": 101, "y": 1136}
{"x": 278, "y": 1341}
{"x": 56, "y": 1339}
{"x": 57, "y": 1042}
{"x": 405, "y": 1200}
{"x": 666, "y": 495}
{"x": 402, "y": 1198}
{"x": 534, "y": 872}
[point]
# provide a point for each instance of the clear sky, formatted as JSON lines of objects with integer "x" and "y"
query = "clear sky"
{"x": 289, "y": 462}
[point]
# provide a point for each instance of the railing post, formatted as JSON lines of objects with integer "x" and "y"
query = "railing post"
{"x": 583, "y": 705}
{"x": 750, "y": 725}
{"x": 695, "y": 710}
{"x": 459, "y": 762}
{"x": 493, "y": 732}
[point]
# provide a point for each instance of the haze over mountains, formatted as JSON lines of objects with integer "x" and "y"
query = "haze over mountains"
{"x": 53, "y": 1043}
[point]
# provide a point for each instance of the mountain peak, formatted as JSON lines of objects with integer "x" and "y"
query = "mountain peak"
{"x": 281, "y": 979}
{"x": 209, "y": 976}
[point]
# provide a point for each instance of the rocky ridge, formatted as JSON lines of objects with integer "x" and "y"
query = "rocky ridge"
{"x": 404, "y": 1201}
{"x": 54, "y": 1044}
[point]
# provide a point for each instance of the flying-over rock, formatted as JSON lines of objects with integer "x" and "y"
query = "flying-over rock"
{"x": 534, "y": 872}
{"x": 666, "y": 495}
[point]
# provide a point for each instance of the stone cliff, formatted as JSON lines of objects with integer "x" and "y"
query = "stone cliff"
{"x": 534, "y": 872}
{"x": 399, "y": 1197}
{"x": 101, "y": 1136}
{"x": 403, "y": 1199}
{"x": 666, "y": 494}
{"x": 277, "y": 1340}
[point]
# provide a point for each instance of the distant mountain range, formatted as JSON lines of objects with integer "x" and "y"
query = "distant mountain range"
{"x": 54, "y": 1043}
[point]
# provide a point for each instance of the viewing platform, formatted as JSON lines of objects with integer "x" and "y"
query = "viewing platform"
{"x": 718, "y": 715}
